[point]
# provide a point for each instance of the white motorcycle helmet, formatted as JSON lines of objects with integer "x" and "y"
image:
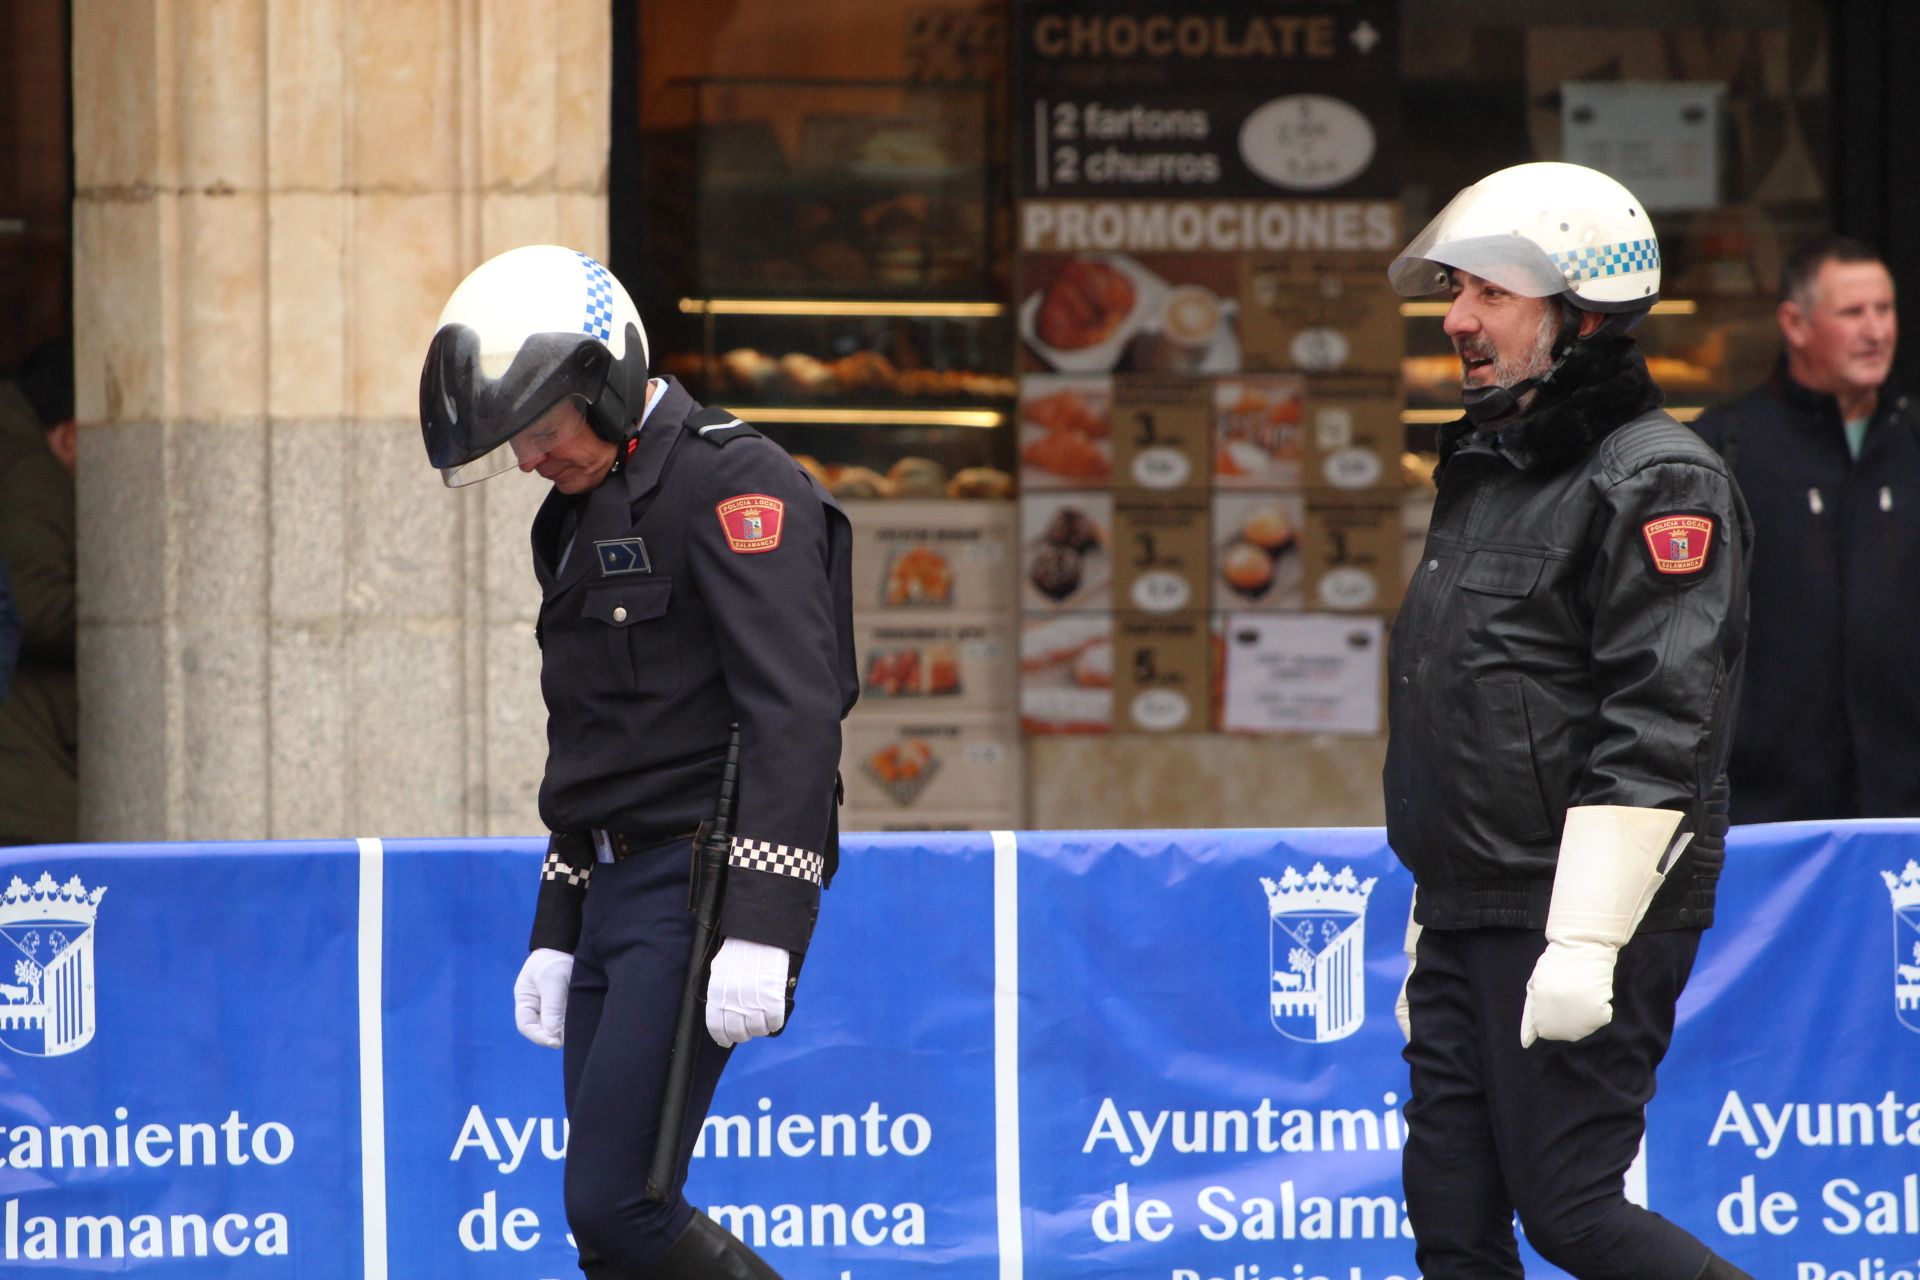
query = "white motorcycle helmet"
{"x": 1542, "y": 230}
{"x": 523, "y": 331}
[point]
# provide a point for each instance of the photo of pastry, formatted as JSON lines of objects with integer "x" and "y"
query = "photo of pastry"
{"x": 1064, "y": 432}
{"x": 902, "y": 769}
{"x": 1065, "y": 562}
{"x": 1085, "y": 307}
{"x": 1257, "y": 562}
{"x": 913, "y": 671}
{"x": 1066, "y": 674}
{"x": 1258, "y": 440}
{"x": 917, "y": 575}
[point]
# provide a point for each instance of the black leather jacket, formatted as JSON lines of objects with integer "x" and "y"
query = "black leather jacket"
{"x": 1572, "y": 636}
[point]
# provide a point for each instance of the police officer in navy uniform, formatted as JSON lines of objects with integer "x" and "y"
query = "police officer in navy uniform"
{"x": 693, "y": 578}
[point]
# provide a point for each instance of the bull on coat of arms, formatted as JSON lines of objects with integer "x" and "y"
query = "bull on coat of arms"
{"x": 1317, "y": 939}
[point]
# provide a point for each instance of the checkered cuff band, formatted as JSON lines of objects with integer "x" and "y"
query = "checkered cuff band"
{"x": 777, "y": 859}
{"x": 556, "y": 868}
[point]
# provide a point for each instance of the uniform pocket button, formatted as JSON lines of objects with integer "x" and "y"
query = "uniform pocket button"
{"x": 620, "y": 613}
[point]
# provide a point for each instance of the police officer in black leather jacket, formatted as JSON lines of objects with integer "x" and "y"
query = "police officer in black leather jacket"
{"x": 1562, "y": 673}
{"x": 693, "y": 577}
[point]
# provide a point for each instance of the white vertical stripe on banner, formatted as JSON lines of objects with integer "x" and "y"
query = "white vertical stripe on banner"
{"x": 373, "y": 1071}
{"x": 1006, "y": 1051}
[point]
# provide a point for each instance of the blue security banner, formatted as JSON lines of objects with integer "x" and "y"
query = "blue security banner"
{"x": 1161, "y": 1054}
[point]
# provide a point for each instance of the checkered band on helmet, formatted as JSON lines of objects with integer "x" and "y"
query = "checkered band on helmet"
{"x": 600, "y": 287}
{"x": 1608, "y": 260}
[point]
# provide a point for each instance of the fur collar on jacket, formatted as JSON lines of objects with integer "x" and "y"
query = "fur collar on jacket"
{"x": 1602, "y": 385}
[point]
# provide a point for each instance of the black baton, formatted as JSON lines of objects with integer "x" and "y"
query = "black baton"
{"x": 709, "y": 875}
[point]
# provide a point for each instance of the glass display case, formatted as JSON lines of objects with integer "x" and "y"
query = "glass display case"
{"x": 843, "y": 293}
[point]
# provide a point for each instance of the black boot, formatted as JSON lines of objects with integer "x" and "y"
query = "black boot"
{"x": 708, "y": 1251}
{"x": 1718, "y": 1268}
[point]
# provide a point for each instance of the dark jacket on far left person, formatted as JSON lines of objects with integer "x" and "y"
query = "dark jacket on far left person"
{"x": 39, "y": 718}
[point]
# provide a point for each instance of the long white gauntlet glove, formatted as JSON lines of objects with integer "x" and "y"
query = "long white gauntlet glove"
{"x": 540, "y": 996}
{"x": 1402, "y": 1013}
{"x": 1608, "y": 873}
{"x": 746, "y": 991}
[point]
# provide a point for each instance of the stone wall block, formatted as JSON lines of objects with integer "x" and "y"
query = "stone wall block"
{"x": 582, "y": 129}
{"x": 217, "y": 512}
{"x": 516, "y": 732}
{"x": 121, "y": 99}
{"x": 307, "y": 516}
{"x": 121, "y": 527}
{"x": 511, "y": 219}
{"x": 404, "y": 263}
{"x": 308, "y": 732}
{"x": 306, "y": 109}
{"x": 221, "y": 306}
{"x": 406, "y": 749}
{"x": 223, "y": 713}
{"x": 503, "y": 511}
{"x": 123, "y": 331}
{"x": 123, "y": 732}
{"x": 404, "y": 531}
{"x": 407, "y": 95}
{"x": 307, "y": 322}
{"x": 583, "y": 226}
{"x": 516, "y": 114}
{"x": 222, "y": 104}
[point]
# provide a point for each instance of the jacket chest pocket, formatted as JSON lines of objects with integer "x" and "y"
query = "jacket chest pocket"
{"x": 1502, "y": 573}
{"x": 628, "y": 625}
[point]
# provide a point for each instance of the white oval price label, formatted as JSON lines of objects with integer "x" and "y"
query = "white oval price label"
{"x": 1161, "y": 591}
{"x": 1160, "y": 709}
{"x": 1348, "y": 589}
{"x": 1318, "y": 350}
{"x": 1161, "y": 467}
{"x": 1307, "y": 142}
{"x": 1351, "y": 468}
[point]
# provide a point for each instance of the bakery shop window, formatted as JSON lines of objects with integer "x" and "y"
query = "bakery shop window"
{"x": 841, "y": 294}
{"x": 1717, "y": 116}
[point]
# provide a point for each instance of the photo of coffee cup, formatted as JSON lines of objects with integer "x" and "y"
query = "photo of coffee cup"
{"x": 1190, "y": 324}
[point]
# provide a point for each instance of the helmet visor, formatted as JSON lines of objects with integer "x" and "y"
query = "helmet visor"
{"x": 1474, "y": 234}
{"x": 473, "y": 420}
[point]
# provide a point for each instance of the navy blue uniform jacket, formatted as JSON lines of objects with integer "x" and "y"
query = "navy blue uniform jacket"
{"x": 706, "y": 581}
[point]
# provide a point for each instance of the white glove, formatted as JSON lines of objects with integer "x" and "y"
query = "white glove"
{"x": 1410, "y": 944}
{"x": 540, "y": 996}
{"x": 1608, "y": 872}
{"x": 746, "y": 992}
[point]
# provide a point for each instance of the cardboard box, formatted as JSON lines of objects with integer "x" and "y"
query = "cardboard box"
{"x": 933, "y": 555}
{"x": 1320, "y": 312}
{"x": 1162, "y": 431}
{"x": 1162, "y": 556}
{"x": 1162, "y": 672}
{"x": 1353, "y": 546}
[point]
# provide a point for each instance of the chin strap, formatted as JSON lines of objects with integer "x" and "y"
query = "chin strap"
{"x": 1487, "y": 405}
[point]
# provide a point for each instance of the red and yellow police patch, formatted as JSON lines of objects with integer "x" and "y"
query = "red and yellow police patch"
{"x": 751, "y": 522}
{"x": 1679, "y": 543}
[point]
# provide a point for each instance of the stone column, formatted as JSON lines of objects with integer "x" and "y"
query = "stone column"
{"x": 288, "y": 627}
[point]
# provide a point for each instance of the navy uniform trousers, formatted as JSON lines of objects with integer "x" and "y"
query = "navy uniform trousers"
{"x": 1547, "y": 1131}
{"x": 628, "y": 968}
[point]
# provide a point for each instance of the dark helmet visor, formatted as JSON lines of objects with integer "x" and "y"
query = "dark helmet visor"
{"x": 466, "y": 415}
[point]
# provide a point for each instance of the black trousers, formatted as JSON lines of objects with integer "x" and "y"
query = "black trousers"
{"x": 627, "y": 973}
{"x": 1548, "y": 1131}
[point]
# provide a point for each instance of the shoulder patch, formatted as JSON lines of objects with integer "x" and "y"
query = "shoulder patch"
{"x": 751, "y": 522}
{"x": 1680, "y": 542}
{"x": 717, "y": 426}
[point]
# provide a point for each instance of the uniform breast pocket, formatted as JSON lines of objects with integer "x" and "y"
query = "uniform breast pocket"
{"x": 637, "y": 634}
